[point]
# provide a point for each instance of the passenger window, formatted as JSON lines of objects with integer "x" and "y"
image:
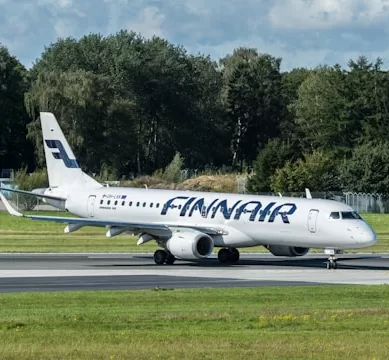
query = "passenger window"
{"x": 130, "y": 203}
{"x": 334, "y": 215}
{"x": 144, "y": 204}
{"x": 101, "y": 202}
{"x": 157, "y": 206}
{"x": 137, "y": 204}
{"x": 116, "y": 202}
{"x": 123, "y": 202}
{"x": 108, "y": 202}
{"x": 151, "y": 205}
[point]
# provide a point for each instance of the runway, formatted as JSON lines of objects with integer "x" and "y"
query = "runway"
{"x": 60, "y": 272}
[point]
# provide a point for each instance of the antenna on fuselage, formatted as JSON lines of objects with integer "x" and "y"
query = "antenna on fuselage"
{"x": 308, "y": 193}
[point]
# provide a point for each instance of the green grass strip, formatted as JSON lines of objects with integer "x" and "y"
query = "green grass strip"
{"x": 326, "y": 322}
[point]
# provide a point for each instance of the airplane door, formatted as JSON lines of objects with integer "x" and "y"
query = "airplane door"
{"x": 91, "y": 205}
{"x": 312, "y": 219}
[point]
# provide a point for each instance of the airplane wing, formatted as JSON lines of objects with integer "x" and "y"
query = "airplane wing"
{"x": 33, "y": 194}
{"x": 163, "y": 230}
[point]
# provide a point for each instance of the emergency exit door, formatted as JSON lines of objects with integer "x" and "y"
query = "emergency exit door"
{"x": 91, "y": 205}
{"x": 312, "y": 220}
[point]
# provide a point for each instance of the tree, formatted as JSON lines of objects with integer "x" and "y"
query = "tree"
{"x": 29, "y": 181}
{"x": 274, "y": 156}
{"x": 317, "y": 171}
{"x": 15, "y": 150}
{"x": 368, "y": 94}
{"x": 142, "y": 100}
{"x": 321, "y": 112}
{"x": 253, "y": 102}
{"x": 172, "y": 172}
{"x": 367, "y": 169}
{"x": 81, "y": 100}
{"x": 291, "y": 82}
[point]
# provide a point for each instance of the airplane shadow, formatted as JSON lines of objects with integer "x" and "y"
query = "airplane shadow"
{"x": 351, "y": 263}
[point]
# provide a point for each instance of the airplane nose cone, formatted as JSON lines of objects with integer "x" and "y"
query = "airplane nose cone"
{"x": 367, "y": 238}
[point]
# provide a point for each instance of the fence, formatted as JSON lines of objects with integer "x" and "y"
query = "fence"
{"x": 367, "y": 203}
{"x": 360, "y": 202}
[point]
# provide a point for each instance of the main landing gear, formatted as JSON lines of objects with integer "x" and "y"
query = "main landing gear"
{"x": 164, "y": 257}
{"x": 228, "y": 255}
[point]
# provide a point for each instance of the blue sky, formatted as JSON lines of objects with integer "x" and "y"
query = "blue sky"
{"x": 305, "y": 33}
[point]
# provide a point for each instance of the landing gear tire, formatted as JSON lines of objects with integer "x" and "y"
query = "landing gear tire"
{"x": 223, "y": 256}
{"x": 170, "y": 259}
{"x": 160, "y": 257}
{"x": 228, "y": 255}
{"x": 234, "y": 253}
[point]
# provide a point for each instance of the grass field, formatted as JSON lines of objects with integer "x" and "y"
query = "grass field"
{"x": 331, "y": 322}
{"x": 25, "y": 235}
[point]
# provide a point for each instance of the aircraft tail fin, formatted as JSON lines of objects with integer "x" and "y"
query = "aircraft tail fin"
{"x": 62, "y": 167}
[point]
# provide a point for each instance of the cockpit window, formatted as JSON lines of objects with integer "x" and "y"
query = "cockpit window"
{"x": 350, "y": 215}
{"x": 334, "y": 215}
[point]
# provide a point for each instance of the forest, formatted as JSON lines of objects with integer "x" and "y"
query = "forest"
{"x": 128, "y": 105}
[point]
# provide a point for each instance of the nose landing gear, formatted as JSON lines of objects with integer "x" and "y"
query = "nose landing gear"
{"x": 332, "y": 260}
{"x": 332, "y": 263}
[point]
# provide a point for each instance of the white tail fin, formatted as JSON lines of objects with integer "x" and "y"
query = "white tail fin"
{"x": 62, "y": 167}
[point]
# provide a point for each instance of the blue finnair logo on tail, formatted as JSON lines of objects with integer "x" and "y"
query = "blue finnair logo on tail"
{"x": 61, "y": 154}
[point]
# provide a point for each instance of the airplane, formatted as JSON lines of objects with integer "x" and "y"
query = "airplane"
{"x": 188, "y": 225}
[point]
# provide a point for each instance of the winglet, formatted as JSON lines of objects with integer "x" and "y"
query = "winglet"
{"x": 9, "y": 207}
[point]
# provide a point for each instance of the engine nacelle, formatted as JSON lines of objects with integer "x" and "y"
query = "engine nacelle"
{"x": 59, "y": 204}
{"x": 190, "y": 245}
{"x": 291, "y": 251}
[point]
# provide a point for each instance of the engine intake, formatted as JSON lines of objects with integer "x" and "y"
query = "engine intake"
{"x": 291, "y": 251}
{"x": 190, "y": 245}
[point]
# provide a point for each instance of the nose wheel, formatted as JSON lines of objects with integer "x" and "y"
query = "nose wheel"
{"x": 332, "y": 263}
{"x": 332, "y": 260}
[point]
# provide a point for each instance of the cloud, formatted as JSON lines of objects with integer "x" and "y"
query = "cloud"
{"x": 65, "y": 3}
{"x": 302, "y": 32}
{"x": 326, "y": 14}
{"x": 149, "y": 23}
{"x": 290, "y": 58}
{"x": 302, "y": 14}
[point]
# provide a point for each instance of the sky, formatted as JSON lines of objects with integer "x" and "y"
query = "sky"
{"x": 304, "y": 33}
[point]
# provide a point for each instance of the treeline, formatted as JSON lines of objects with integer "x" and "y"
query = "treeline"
{"x": 128, "y": 105}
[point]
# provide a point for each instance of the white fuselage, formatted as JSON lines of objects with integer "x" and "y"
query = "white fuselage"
{"x": 246, "y": 220}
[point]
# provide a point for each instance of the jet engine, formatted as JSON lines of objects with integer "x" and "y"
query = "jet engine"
{"x": 282, "y": 250}
{"x": 190, "y": 245}
{"x": 59, "y": 204}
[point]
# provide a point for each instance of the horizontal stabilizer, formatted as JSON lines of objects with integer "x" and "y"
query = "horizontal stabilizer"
{"x": 42, "y": 196}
